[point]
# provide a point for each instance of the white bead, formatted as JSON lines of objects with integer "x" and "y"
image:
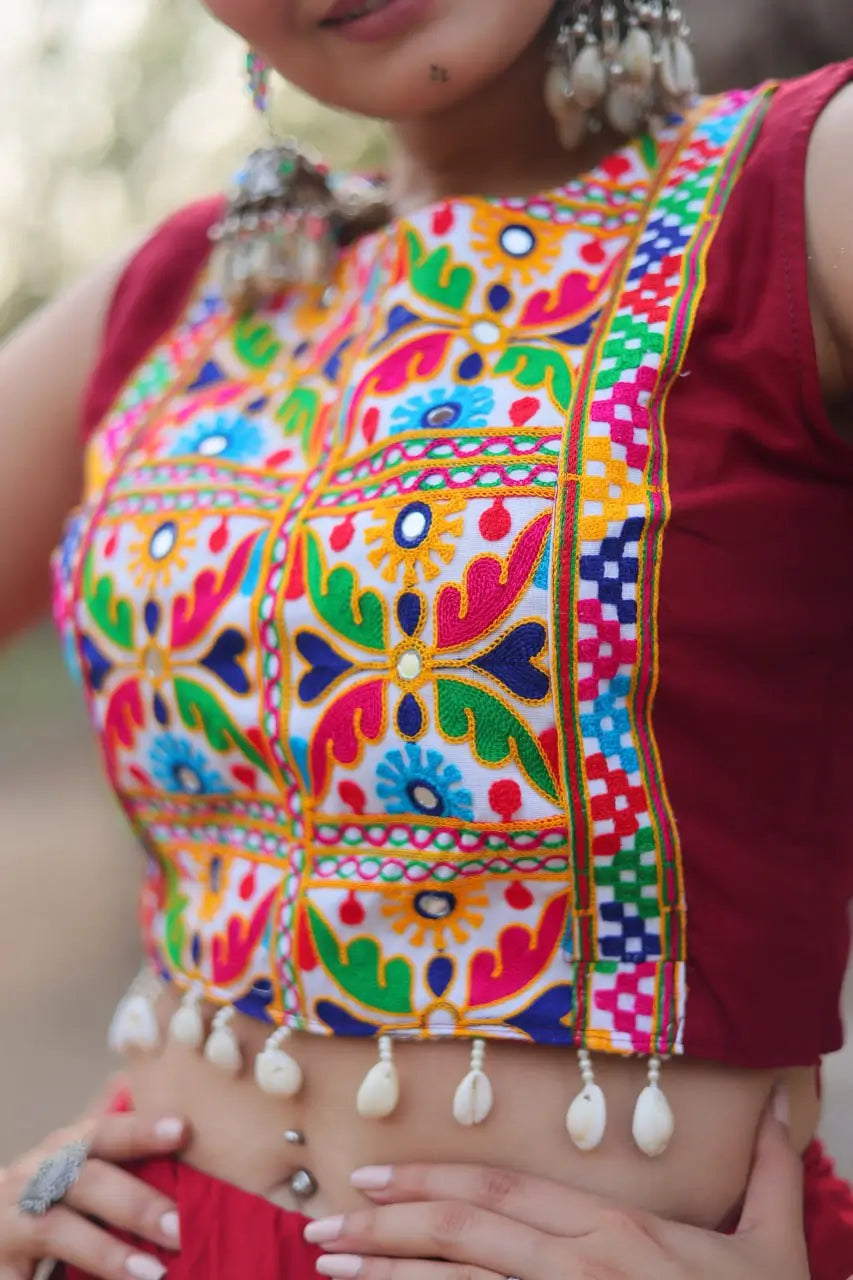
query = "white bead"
{"x": 134, "y": 1025}
{"x": 222, "y": 1048}
{"x": 572, "y": 129}
{"x": 380, "y": 1092}
{"x": 276, "y": 1072}
{"x": 589, "y": 77}
{"x": 636, "y": 57}
{"x": 626, "y": 109}
{"x": 654, "y": 1123}
{"x": 586, "y": 1119}
{"x": 558, "y": 92}
{"x": 186, "y": 1024}
{"x": 678, "y": 69}
{"x": 474, "y": 1099}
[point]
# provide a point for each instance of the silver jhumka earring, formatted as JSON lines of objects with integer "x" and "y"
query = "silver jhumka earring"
{"x": 623, "y": 66}
{"x": 286, "y": 220}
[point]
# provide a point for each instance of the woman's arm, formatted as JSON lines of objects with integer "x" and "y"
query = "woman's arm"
{"x": 829, "y": 209}
{"x": 44, "y": 369}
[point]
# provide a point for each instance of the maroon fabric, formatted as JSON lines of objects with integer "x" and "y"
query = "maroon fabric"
{"x": 148, "y": 300}
{"x": 754, "y": 711}
{"x": 829, "y": 1218}
{"x": 227, "y": 1234}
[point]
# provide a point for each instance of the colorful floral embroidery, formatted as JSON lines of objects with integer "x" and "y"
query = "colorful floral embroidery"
{"x": 365, "y": 607}
{"x": 178, "y": 766}
{"x": 422, "y": 784}
{"x": 225, "y": 436}
{"x": 456, "y": 407}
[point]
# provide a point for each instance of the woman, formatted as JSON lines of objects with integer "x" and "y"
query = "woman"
{"x": 450, "y": 589}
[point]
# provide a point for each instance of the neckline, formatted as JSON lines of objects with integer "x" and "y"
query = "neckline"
{"x": 616, "y": 171}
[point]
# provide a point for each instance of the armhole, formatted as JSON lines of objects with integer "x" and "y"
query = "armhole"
{"x": 794, "y": 115}
{"x": 148, "y": 298}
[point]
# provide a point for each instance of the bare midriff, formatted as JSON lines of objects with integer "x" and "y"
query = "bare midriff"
{"x": 237, "y": 1131}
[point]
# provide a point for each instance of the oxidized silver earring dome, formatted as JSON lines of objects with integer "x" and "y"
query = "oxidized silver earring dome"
{"x": 286, "y": 218}
{"x": 621, "y": 68}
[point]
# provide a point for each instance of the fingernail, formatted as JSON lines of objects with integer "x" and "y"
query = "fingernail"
{"x": 782, "y": 1105}
{"x": 343, "y": 1267}
{"x": 373, "y": 1177}
{"x": 169, "y": 1129}
{"x": 170, "y": 1225}
{"x": 143, "y": 1267}
{"x": 324, "y": 1230}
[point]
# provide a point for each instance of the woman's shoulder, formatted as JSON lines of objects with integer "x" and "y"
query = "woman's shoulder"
{"x": 783, "y": 239}
{"x": 150, "y": 292}
{"x": 829, "y": 216}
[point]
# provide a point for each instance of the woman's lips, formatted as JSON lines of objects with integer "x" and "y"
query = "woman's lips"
{"x": 372, "y": 21}
{"x": 351, "y": 11}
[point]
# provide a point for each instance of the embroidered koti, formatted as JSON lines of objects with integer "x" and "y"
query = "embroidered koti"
{"x": 364, "y": 594}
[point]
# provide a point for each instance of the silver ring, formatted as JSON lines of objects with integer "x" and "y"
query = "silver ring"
{"x": 53, "y": 1179}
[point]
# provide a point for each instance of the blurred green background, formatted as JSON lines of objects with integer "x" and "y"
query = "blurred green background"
{"x": 113, "y": 113}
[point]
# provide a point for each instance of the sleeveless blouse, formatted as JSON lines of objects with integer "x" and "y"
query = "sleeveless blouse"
{"x": 468, "y": 646}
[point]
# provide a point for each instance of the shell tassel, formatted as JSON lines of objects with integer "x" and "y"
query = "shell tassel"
{"x": 134, "y": 1024}
{"x": 276, "y": 1072}
{"x": 222, "y": 1048}
{"x": 654, "y": 1123}
{"x": 474, "y": 1098}
{"x": 187, "y": 1023}
{"x": 586, "y": 1119}
{"x": 380, "y": 1090}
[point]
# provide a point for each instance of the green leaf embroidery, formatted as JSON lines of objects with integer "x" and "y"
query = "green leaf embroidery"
{"x": 357, "y": 615}
{"x": 649, "y": 152}
{"x": 298, "y": 415}
{"x": 177, "y": 903}
{"x": 433, "y": 277}
{"x": 113, "y": 615}
{"x": 360, "y": 970}
{"x": 256, "y": 343}
{"x": 468, "y": 713}
{"x": 533, "y": 368}
{"x": 199, "y": 709}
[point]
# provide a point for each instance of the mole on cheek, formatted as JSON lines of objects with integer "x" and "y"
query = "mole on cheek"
{"x": 440, "y": 75}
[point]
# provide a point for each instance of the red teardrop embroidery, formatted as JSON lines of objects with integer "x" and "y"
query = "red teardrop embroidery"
{"x": 495, "y": 522}
{"x": 594, "y": 253}
{"x": 351, "y": 911}
{"x": 616, "y": 166}
{"x": 305, "y": 953}
{"x": 247, "y": 777}
{"x": 247, "y": 886}
{"x": 505, "y": 798}
{"x": 219, "y": 537}
{"x": 352, "y": 796}
{"x": 523, "y": 410}
{"x": 443, "y": 220}
{"x": 518, "y": 896}
{"x": 110, "y": 548}
{"x": 370, "y": 424}
{"x": 280, "y": 458}
{"x": 342, "y": 535}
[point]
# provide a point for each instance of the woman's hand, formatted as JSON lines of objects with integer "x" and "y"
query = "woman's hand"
{"x": 462, "y": 1223}
{"x": 104, "y": 1193}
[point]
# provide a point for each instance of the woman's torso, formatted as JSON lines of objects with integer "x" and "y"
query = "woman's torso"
{"x": 238, "y": 1131}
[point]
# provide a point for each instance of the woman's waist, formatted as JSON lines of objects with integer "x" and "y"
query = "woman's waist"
{"x": 244, "y": 1136}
